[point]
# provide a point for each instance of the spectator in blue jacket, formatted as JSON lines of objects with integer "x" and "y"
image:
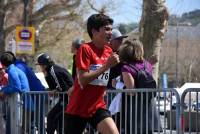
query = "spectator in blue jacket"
{"x": 35, "y": 85}
{"x": 17, "y": 81}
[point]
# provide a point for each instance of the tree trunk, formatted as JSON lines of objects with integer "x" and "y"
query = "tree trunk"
{"x": 2, "y": 32}
{"x": 152, "y": 28}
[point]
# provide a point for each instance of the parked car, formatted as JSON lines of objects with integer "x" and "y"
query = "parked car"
{"x": 185, "y": 107}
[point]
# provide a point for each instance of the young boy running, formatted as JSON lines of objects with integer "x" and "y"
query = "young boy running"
{"x": 86, "y": 104}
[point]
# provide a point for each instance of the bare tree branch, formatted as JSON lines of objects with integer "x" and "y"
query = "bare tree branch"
{"x": 102, "y": 10}
{"x": 70, "y": 17}
{"x": 52, "y": 10}
{"x": 48, "y": 13}
{"x": 10, "y": 29}
{"x": 11, "y": 4}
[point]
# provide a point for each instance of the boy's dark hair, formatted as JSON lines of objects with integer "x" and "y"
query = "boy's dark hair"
{"x": 96, "y": 21}
{"x": 7, "y": 59}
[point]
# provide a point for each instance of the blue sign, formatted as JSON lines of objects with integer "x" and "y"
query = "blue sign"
{"x": 25, "y": 34}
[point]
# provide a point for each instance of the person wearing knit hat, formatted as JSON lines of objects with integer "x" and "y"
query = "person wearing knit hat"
{"x": 116, "y": 39}
{"x": 115, "y": 42}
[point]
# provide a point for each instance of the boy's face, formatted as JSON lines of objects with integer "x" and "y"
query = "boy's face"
{"x": 104, "y": 33}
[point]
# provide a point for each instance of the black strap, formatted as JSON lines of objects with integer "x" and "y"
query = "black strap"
{"x": 55, "y": 78}
{"x": 136, "y": 69}
{"x": 145, "y": 64}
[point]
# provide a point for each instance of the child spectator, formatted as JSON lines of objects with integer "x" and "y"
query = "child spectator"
{"x": 35, "y": 85}
{"x": 17, "y": 84}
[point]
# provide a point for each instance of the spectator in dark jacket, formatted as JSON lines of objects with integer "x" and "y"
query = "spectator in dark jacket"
{"x": 58, "y": 79}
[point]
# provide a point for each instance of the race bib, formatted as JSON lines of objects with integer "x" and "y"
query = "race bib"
{"x": 102, "y": 80}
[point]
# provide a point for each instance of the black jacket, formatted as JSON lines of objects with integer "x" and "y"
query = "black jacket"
{"x": 114, "y": 73}
{"x": 62, "y": 75}
{"x": 58, "y": 78}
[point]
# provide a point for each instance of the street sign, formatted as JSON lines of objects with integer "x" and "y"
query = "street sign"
{"x": 25, "y": 40}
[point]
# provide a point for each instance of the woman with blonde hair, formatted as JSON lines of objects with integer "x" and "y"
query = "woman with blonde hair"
{"x": 135, "y": 105}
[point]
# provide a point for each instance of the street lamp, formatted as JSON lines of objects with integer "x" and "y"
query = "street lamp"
{"x": 26, "y": 12}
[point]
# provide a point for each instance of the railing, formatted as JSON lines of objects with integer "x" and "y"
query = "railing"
{"x": 139, "y": 111}
{"x": 190, "y": 111}
{"x": 162, "y": 103}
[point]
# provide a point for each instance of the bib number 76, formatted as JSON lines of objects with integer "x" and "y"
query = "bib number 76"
{"x": 102, "y": 79}
{"x": 104, "y": 76}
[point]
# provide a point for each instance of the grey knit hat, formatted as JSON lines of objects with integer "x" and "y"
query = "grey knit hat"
{"x": 116, "y": 34}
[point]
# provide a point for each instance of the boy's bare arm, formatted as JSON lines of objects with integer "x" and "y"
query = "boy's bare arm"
{"x": 86, "y": 77}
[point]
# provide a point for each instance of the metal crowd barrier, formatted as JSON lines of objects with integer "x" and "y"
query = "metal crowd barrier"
{"x": 35, "y": 121}
{"x": 10, "y": 114}
{"x": 2, "y": 120}
{"x": 27, "y": 113}
{"x": 190, "y": 111}
{"x": 155, "y": 116}
{"x": 140, "y": 111}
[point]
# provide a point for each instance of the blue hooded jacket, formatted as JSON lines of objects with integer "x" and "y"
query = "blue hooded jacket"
{"x": 34, "y": 82}
{"x": 17, "y": 83}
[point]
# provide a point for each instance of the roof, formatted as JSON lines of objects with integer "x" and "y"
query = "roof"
{"x": 190, "y": 85}
{"x": 187, "y": 86}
